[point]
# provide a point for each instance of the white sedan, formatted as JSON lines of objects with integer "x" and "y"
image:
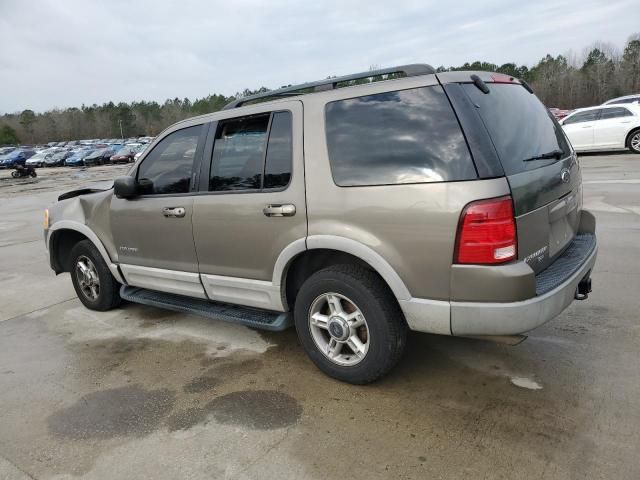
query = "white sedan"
{"x": 607, "y": 127}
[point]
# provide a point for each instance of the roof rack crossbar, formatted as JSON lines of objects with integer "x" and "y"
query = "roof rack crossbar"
{"x": 411, "y": 70}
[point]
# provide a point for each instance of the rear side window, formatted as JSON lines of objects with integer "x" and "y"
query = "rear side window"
{"x": 616, "y": 112}
{"x": 238, "y": 154}
{"x": 519, "y": 124}
{"x": 277, "y": 169}
{"x": 407, "y": 136}
{"x": 588, "y": 116}
{"x": 252, "y": 153}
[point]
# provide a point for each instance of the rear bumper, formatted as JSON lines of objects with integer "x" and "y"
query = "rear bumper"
{"x": 480, "y": 318}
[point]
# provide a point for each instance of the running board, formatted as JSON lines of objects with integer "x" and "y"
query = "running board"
{"x": 249, "y": 317}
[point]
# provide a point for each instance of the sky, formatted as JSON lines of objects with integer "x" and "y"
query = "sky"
{"x": 64, "y": 53}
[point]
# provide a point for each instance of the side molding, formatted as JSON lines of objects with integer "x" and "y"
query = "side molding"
{"x": 170, "y": 281}
{"x": 87, "y": 232}
{"x": 243, "y": 291}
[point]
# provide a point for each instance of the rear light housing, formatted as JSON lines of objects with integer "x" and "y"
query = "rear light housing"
{"x": 487, "y": 233}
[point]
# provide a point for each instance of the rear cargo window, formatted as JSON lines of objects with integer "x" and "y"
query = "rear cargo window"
{"x": 407, "y": 136}
{"x": 519, "y": 124}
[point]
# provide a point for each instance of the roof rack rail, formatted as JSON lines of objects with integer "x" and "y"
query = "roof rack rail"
{"x": 411, "y": 70}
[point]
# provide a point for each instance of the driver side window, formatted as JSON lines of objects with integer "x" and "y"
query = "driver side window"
{"x": 167, "y": 168}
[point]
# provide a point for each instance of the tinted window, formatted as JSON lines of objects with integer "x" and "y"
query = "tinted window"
{"x": 519, "y": 124}
{"x": 587, "y": 116}
{"x": 616, "y": 112}
{"x": 409, "y": 136}
{"x": 168, "y": 167}
{"x": 277, "y": 170}
{"x": 238, "y": 154}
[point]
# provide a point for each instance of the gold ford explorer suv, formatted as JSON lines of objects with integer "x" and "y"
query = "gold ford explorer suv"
{"x": 356, "y": 208}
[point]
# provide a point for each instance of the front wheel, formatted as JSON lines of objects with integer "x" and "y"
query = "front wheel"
{"x": 95, "y": 286}
{"x": 33, "y": 174}
{"x": 349, "y": 323}
{"x": 634, "y": 141}
{"x": 15, "y": 174}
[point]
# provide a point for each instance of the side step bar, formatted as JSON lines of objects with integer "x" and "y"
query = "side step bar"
{"x": 249, "y": 317}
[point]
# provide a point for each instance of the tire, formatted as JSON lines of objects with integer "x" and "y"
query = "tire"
{"x": 634, "y": 141}
{"x": 108, "y": 289}
{"x": 15, "y": 174}
{"x": 358, "y": 290}
{"x": 33, "y": 174}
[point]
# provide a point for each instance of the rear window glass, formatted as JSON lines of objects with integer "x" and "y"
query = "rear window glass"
{"x": 407, "y": 136}
{"x": 520, "y": 126}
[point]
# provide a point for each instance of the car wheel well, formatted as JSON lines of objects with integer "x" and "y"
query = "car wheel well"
{"x": 629, "y": 135}
{"x": 61, "y": 243}
{"x": 309, "y": 262}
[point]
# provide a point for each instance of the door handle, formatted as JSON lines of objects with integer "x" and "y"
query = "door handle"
{"x": 588, "y": 126}
{"x": 173, "y": 212}
{"x": 286, "y": 210}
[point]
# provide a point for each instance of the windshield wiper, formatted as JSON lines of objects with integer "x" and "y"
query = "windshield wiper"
{"x": 557, "y": 154}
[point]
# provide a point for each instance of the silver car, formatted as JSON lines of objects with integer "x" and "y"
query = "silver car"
{"x": 355, "y": 208}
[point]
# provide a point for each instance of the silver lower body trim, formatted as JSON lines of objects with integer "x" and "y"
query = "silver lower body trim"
{"x": 170, "y": 281}
{"x": 429, "y": 316}
{"x": 478, "y": 318}
{"x": 243, "y": 291}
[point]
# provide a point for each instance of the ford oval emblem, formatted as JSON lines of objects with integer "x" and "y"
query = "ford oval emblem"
{"x": 565, "y": 175}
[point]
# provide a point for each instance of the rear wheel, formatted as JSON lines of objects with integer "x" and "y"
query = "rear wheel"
{"x": 634, "y": 141}
{"x": 350, "y": 324}
{"x": 95, "y": 286}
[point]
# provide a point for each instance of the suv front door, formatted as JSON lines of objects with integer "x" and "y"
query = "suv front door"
{"x": 152, "y": 232}
{"x": 251, "y": 204}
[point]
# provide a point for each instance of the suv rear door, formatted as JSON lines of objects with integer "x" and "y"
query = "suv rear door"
{"x": 546, "y": 192}
{"x": 251, "y": 203}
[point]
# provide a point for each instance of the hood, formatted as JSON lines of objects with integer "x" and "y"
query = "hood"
{"x": 91, "y": 188}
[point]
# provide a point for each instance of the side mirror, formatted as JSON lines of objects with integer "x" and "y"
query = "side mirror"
{"x": 125, "y": 187}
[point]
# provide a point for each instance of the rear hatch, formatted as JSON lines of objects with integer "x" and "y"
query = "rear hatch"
{"x": 540, "y": 166}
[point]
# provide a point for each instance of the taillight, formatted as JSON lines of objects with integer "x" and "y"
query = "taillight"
{"x": 487, "y": 232}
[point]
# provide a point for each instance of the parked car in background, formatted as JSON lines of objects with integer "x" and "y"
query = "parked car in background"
{"x": 16, "y": 157}
{"x": 57, "y": 159}
{"x": 140, "y": 151}
{"x": 38, "y": 159}
{"x": 559, "y": 113}
{"x": 124, "y": 155}
{"x": 6, "y": 150}
{"x": 635, "y": 98}
{"x": 98, "y": 157}
{"x": 606, "y": 127}
{"x": 77, "y": 159}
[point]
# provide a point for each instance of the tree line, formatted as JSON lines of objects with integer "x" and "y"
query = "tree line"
{"x": 565, "y": 81}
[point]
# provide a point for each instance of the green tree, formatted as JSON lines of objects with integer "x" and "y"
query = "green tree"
{"x": 27, "y": 120}
{"x": 8, "y": 136}
{"x": 630, "y": 66}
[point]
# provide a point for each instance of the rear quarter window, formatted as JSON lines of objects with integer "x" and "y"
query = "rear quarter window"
{"x": 407, "y": 136}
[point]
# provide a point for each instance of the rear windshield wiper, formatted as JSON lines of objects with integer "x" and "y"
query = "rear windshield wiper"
{"x": 557, "y": 154}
